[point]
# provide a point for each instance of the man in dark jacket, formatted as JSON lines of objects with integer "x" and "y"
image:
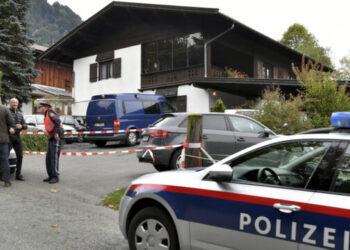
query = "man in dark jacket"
{"x": 6, "y": 127}
{"x": 15, "y": 139}
{"x": 55, "y": 132}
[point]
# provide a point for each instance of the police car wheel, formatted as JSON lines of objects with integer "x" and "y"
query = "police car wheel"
{"x": 175, "y": 162}
{"x": 152, "y": 228}
{"x": 131, "y": 139}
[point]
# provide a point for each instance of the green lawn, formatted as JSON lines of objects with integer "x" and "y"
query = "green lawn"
{"x": 113, "y": 199}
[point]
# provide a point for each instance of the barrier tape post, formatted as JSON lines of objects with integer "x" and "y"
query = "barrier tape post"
{"x": 194, "y": 141}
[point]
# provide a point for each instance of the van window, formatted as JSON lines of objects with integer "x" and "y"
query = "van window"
{"x": 151, "y": 107}
{"x": 167, "y": 108}
{"x": 101, "y": 107}
{"x": 132, "y": 107}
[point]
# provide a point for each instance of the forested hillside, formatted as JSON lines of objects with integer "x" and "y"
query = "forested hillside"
{"x": 48, "y": 23}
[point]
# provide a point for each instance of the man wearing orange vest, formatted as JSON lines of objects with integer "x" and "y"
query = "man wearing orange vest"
{"x": 55, "y": 133}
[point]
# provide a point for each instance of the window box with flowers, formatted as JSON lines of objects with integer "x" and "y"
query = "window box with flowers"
{"x": 233, "y": 73}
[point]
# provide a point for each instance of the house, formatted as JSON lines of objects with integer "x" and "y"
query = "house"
{"x": 53, "y": 85}
{"x": 178, "y": 52}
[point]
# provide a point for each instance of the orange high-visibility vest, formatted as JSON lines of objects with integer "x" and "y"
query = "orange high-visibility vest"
{"x": 49, "y": 124}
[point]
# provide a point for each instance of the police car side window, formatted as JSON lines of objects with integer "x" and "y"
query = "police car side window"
{"x": 342, "y": 179}
{"x": 289, "y": 164}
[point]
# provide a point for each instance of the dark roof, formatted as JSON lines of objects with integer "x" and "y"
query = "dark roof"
{"x": 84, "y": 39}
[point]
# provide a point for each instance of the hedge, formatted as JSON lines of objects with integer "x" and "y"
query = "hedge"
{"x": 34, "y": 142}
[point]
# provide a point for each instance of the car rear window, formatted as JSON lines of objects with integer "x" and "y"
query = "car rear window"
{"x": 101, "y": 107}
{"x": 165, "y": 121}
{"x": 213, "y": 122}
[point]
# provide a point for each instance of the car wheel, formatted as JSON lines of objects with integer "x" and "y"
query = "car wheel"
{"x": 12, "y": 170}
{"x": 152, "y": 228}
{"x": 100, "y": 143}
{"x": 175, "y": 162}
{"x": 131, "y": 139}
{"x": 80, "y": 138}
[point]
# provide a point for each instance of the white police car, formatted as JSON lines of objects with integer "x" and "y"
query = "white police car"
{"x": 291, "y": 192}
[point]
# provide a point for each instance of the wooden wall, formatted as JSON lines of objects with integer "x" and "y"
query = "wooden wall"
{"x": 54, "y": 75}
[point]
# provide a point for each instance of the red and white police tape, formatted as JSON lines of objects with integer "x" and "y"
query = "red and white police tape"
{"x": 146, "y": 150}
{"x": 87, "y": 132}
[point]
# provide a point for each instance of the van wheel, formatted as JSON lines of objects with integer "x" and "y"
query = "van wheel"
{"x": 175, "y": 162}
{"x": 100, "y": 143}
{"x": 152, "y": 228}
{"x": 131, "y": 139}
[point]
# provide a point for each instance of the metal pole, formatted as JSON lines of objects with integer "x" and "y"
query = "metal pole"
{"x": 205, "y": 49}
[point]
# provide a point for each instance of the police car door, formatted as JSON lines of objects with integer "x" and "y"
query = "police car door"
{"x": 262, "y": 207}
{"x": 326, "y": 222}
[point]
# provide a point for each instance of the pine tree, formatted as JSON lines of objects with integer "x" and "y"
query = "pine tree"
{"x": 16, "y": 57}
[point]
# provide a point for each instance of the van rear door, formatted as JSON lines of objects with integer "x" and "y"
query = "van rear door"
{"x": 101, "y": 115}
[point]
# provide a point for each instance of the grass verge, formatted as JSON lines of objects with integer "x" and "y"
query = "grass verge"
{"x": 113, "y": 200}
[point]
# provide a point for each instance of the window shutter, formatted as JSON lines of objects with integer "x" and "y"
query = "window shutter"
{"x": 117, "y": 68}
{"x": 93, "y": 72}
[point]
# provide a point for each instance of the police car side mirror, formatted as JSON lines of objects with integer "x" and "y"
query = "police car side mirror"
{"x": 220, "y": 173}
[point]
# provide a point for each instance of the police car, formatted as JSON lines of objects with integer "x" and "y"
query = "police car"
{"x": 291, "y": 192}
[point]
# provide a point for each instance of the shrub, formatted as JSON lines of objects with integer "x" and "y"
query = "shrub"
{"x": 284, "y": 116}
{"x": 219, "y": 106}
{"x": 34, "y": 142}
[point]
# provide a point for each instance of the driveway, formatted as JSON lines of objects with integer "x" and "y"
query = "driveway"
{"x": 69, "y": 214}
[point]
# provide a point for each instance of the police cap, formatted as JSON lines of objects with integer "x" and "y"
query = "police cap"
{"x": 46, "y": 105}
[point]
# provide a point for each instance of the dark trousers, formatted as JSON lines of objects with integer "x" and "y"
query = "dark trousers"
{"x": 16, "y": 144}
{"x": 4, "y": 161}
{"x": 52, "y": 158}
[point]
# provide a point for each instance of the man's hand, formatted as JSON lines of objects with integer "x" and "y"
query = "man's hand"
{"x": 57, "y": 137}
{"x": 18, "y": 126}
{"x": 12, "y": 131}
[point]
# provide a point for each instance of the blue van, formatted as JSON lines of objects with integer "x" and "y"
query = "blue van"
{"x": 123, "y": 111}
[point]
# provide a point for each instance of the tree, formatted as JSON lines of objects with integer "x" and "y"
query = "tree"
{"x": 16, "y": 58}
{"x": 344, "y": 71}
{"x": 322, "y": 96}
{"x": 297, "y": 37}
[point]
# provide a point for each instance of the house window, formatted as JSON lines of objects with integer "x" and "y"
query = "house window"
{"x": 105, "y": 70}
{"x": 175, "y": 53}
{"x": 267, "y": 70}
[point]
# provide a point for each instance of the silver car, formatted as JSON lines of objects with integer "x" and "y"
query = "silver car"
{"x": 287, "y": 193}
{"x": 36, "y": 124}
{"x": 12, "y": 161}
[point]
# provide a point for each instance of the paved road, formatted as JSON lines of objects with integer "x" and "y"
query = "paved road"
{"x": 33, "y": 217}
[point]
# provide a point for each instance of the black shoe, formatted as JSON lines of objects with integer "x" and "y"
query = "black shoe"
{"x": 19, "y": 177}
{"x": 8, "y": 184}
{"x": 47, "y": 179}
{"x": 54, "y": 180}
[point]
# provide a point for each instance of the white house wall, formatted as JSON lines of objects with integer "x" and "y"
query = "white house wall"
{"x": 197, "y": 99}
{"x": 129, "y": 82}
